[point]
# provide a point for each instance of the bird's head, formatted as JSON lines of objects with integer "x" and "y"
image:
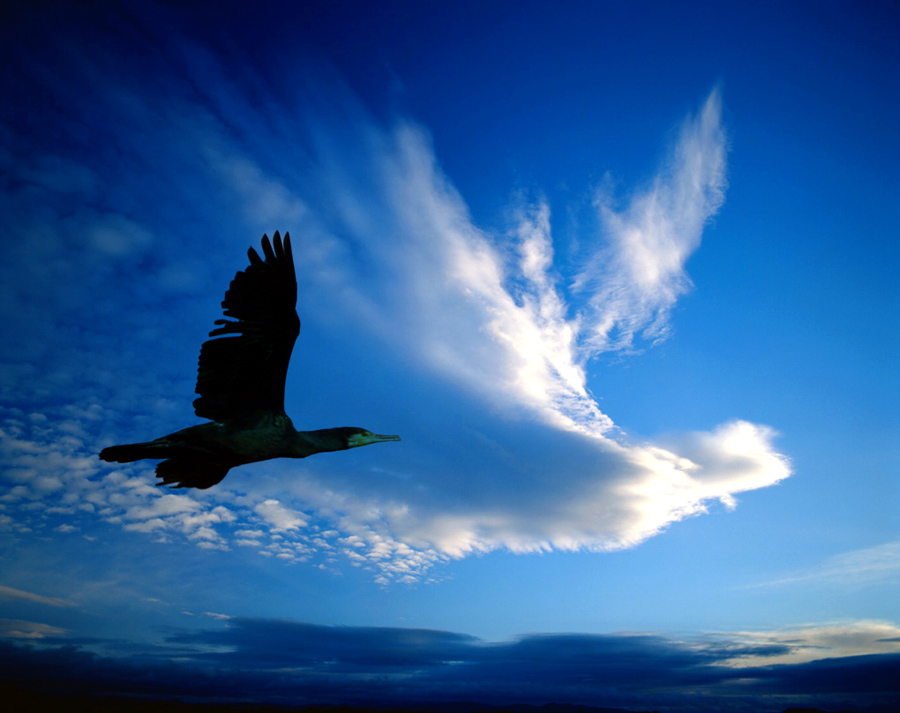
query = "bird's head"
{"x": 361, "y": 437}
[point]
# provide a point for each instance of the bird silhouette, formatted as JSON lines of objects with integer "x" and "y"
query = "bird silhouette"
{"x": 240, "y": 382}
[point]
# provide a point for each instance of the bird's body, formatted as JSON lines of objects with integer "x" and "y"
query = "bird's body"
{"x": 241, "y": 381}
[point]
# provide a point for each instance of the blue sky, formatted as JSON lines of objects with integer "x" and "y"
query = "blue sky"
{"x": 622, "y": 276}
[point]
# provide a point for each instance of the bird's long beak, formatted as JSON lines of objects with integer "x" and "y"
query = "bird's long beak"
{"x": 364, "y": 439}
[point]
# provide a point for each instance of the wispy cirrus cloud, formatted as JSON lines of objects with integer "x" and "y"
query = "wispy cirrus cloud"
{"x": 635, "y": 279}
{"x": 28, "y": 630}
{"x": 10, "y": 593}
{"x": 879, "y": 564}
{"x": 493, "y": 313}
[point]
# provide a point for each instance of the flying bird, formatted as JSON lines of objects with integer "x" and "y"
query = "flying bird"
{"x": 240, "y": 382}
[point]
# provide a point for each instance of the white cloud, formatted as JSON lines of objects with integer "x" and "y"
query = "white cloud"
{"x": 611, "y": 497}
{"x": 162, "y": 506}
{"x": 11, "y": 593}
{"x": 20, "y": 629}
{"x": 818, "y": 641}
{"x": 871, "y": 563}
{"x": 279, "y": 517}
{"x": 858, "y": 568}
{"x": 636, "y": 279}
{"x": 492, "y": 316}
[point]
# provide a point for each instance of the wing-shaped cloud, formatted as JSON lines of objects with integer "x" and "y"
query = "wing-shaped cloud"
{"x": 492, "y": 315}
{"x": 490, "y": 312}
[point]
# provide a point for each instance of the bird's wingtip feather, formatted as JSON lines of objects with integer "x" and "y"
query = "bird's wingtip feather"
{"x": 267, "y": 246}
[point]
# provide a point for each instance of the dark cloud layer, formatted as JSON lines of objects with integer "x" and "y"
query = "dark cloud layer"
{"x": 280, "y": 661}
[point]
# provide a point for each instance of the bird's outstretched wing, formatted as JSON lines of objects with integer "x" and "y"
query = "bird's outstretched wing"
{"x": 244, "y": 368}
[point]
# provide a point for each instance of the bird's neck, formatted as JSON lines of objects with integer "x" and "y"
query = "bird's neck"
{"x": 307, "y": 443}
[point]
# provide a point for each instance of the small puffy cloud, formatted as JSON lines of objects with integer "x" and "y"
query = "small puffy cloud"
{"x": 162, "y": 506}
{"x": 279, "y": 517}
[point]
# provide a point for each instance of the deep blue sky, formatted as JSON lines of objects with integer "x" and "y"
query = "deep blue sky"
{"x": 622, "y": 276}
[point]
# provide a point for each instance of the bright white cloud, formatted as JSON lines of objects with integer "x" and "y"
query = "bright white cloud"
{"x": 278, "y": 517}
{"x": 612, "y": 497}
{"x": 491, "y": 315}
{"x": 162, "y": 506}
{"x": 494, "y": 318}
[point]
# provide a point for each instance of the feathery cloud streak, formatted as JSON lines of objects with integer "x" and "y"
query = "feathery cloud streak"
{"x": 491, "y": 312}
{"x": 635, "y": 280}
{"x": 19, "y": 594}
{"x": 873, "y": 565}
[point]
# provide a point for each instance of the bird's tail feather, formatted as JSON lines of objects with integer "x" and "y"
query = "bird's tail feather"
{"x": 190, "y": 473}
{"x": 131, "y": 452}
{"x": 183, "y": 469}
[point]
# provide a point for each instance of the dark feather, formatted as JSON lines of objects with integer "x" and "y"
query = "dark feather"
{"x": 244, "y": 368}
{"x": 127, "y": 453}
{"x": 190, "y": 473}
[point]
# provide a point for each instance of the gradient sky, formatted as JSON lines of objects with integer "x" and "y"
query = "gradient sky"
{"x": 623, "y": 276}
